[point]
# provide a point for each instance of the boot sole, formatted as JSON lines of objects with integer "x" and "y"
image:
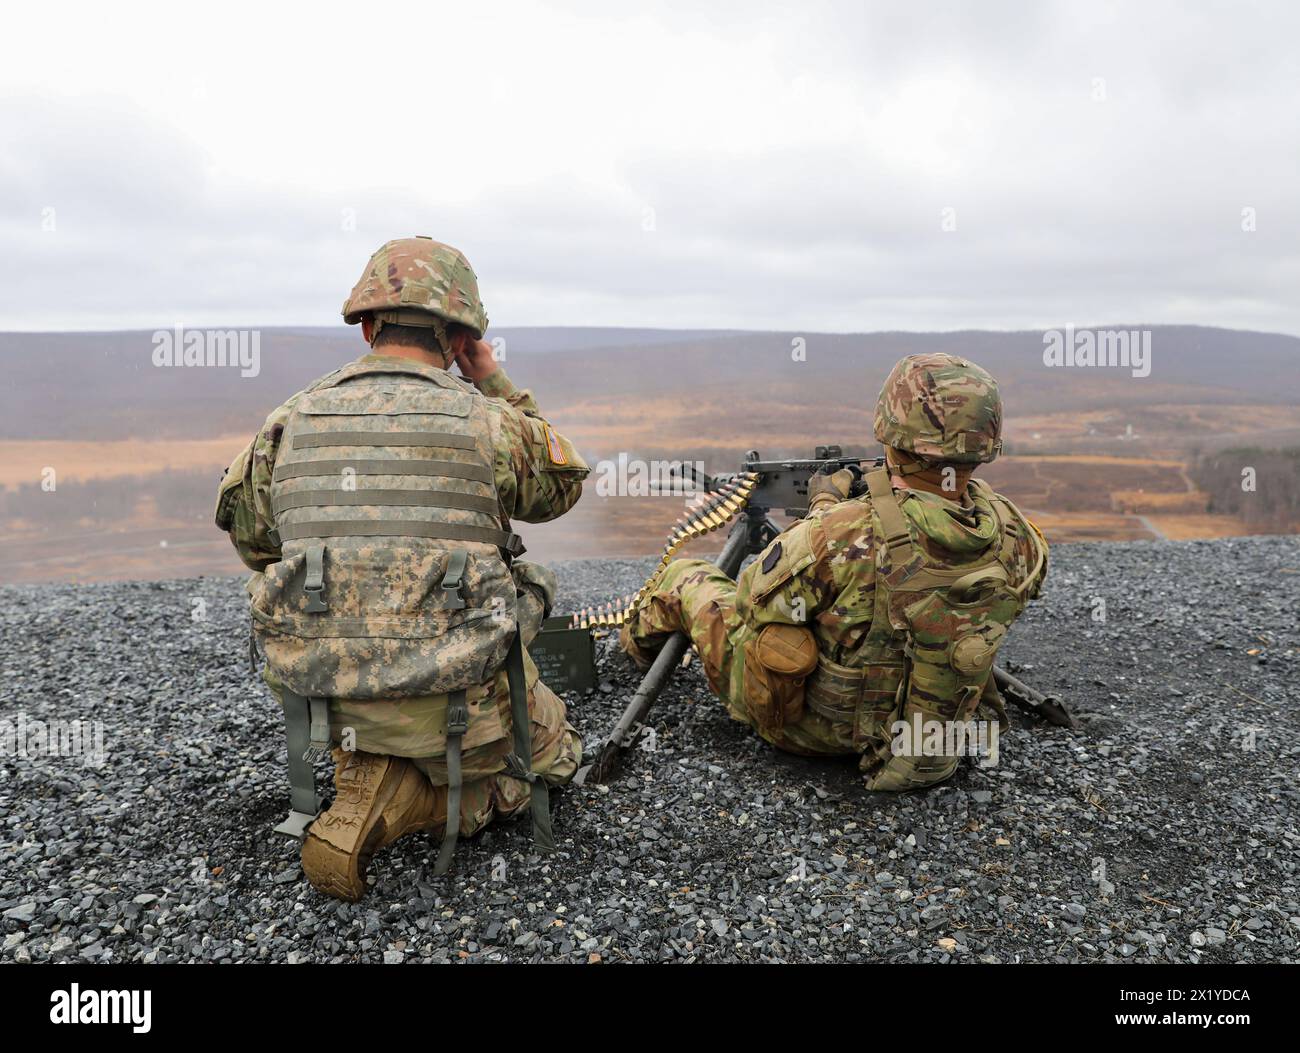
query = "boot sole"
{"x": 343, "y": 874}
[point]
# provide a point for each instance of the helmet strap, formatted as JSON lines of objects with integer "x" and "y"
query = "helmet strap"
{"x": 904, "y": 464}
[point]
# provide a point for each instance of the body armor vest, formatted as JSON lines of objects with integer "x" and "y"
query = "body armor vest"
{"x": 394, "y": 579}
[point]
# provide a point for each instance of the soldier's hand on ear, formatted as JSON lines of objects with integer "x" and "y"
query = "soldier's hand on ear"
{"x": 475, "y": 360}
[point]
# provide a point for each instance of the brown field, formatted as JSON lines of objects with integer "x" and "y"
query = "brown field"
{"x": 1191, "y": 527}
{"x": 1169, "y": 504}
{"x": 1160, "y": 429}
{"x": 1086, "y": 482}
{"x": 23, "y": 462}
{"x": 124, "y": 554}
{"x": 1089, "y": 526}
{"x": 1129, "y": 493}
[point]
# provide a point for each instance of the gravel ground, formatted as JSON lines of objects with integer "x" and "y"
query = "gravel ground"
{"x": 1167, "y": 830}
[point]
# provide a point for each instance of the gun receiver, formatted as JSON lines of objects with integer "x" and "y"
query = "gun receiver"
{"x": 783, "y": 484}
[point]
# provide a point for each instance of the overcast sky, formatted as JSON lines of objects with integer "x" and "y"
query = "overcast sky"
{"x": 784, "y": 167}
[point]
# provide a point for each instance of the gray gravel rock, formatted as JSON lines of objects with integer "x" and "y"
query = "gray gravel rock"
{"x": 1166, "y": 831}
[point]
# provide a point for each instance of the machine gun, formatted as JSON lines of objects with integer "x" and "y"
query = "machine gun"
{"x": 749, "y": 497}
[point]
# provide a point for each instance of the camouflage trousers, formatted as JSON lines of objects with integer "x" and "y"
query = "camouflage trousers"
{"x": 488, "y": 793}
{"x": 695, "y": 597}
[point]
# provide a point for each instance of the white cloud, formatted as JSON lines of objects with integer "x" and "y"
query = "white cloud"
{"x": 793, "y": 165}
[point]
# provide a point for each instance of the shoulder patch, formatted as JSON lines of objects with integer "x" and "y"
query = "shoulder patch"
{"x": 772, "y": 558}
{"x": 554, "y": 449}
{"x": 785, "y": 557}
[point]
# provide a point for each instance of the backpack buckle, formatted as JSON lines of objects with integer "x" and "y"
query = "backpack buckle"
{"x": 453, "y": 580}
{"x": 313, "y": 585}
{"x": 457, "y": 715}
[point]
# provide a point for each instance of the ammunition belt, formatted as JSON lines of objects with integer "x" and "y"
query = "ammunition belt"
{"x": 711, "y": 512}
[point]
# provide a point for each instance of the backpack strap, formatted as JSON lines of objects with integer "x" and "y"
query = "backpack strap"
{"x": 903, "y": 559}
{"x": 520, "y": 762}
{"x": 313, "y": 582}
{"x": 453, "y": 579}
{"x": 893, "y": 524}
{"x": 457, "y": 725}
{"x": 302, "y": 719}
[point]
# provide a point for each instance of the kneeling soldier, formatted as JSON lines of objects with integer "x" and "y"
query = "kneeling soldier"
{"x": 376, "y": 507}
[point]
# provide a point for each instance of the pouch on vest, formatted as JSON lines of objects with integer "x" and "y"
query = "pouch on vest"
{"x": 778, "y": 659}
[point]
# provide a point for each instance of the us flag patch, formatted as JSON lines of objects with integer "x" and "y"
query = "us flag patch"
{"x": 553, "y": 447}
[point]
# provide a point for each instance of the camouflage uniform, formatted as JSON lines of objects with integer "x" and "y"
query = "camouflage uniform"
{"x": 536, "y": 475}
{"x": 825, "y": 573}
{"x": 532, "y": 488}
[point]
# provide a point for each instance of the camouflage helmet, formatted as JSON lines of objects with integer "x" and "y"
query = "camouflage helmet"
{"x": 418, "y": 274}
{"x": 941, "y": 407}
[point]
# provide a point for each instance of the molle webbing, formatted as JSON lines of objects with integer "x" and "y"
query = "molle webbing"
{"x": 388, "y": 466}
{"x": 426, "y": 444}
{"x": 374, "y": 528}
{"x": 422, "y": 498}
{"x": 444, "y": 439}
{"x": 834, "y": 690}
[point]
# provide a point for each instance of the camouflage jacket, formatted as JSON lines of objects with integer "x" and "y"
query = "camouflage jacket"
{"x": 538, "y": 476}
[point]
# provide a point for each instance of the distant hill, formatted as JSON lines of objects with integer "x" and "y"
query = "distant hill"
{"x": 104, "y": 385}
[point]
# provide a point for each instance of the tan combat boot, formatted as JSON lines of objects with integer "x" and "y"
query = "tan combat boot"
{"x": 377, "y": 800}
